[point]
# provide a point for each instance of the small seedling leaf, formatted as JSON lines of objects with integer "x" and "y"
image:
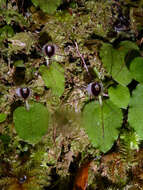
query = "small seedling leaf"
{"x": 135, "y": 115}
{"x": 136, "y": 68}
{"x": 31, "y": 125}
{"x": 119, "y": 95}
{"x": 2, "y": 117}
{"x": 53, "y": 77}
{"x": 93, "y": 123}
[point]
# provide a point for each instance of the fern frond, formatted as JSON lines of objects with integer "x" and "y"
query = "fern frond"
{"x": 129, "y": 143}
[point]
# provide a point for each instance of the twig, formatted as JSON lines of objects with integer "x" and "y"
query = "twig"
{"x": 83, "y": 61}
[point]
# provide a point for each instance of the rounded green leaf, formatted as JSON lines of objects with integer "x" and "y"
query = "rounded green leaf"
{"x": 2, "y": 117}
{"x": 135, "y": 115}
{"x": 47, "y": 6}
{"x": 114, "y": 61}
{"x": 136, "y": 68}
{"x": 53, "y": 77}
{"x": 127, "y": 46}
{"x": 119, "y": 95}
{"x": 96, "y": 117}
{"x": 31, "y": 125}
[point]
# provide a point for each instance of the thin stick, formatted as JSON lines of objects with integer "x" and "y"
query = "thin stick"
{"x": 80, "y": 55}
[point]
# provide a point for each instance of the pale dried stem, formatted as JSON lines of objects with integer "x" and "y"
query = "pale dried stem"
{"x": 80, "y": 55}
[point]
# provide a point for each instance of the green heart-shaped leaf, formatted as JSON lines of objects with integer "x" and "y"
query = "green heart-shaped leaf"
{"x": 96, "y": 117}
{"x": 135, "y": 115}
{"x": 136, "y": 68}
{"x": 33, "y": 124}
{"x": 47, "y": 6}
{"x": 114, "y": 61}
{"x": 53, "y": 77}
{"x": 119, "y": 95}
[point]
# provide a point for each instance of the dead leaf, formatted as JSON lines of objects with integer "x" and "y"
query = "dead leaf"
{"x": 81, "y": 178}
